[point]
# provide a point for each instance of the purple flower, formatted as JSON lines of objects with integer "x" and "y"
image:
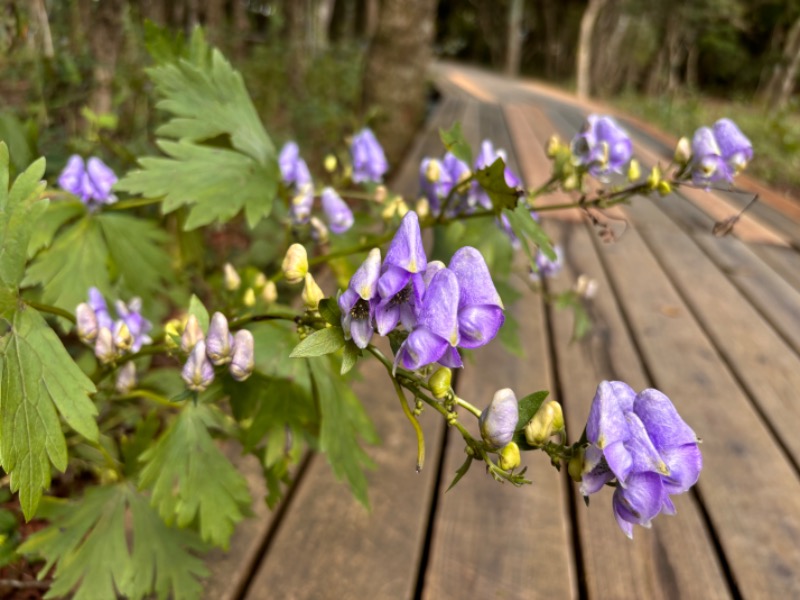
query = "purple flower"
{"x": 340, "y": 217}
{"x": 545, "y": 267}
{"x": 499, "y": 420}
{"x": 358, "y": 301}
{"x": 242, "y": 362}
{"x": 294, "y": 170}
{"x": 100, "y": 308}
{"x": 198, "y": 372}
{"x": 602, "y": 146}
{"x": 450, "y": 171}
{"x": 219, "y": 341}
{"x": 642, "y": 442}
{"x": 436, "y": 336}
{"x": 486, "y": 157}
{"x": 132, "y": 337}
{"x": 708, "y": 165}
{"x": 301, "y": 205}
{"x": 138, "y": 326}
{"x": 401, "y": 285}
{"x": 86, "y": 323}
{"x": 735, "y": 148}
{"x": 91, "y": 182}
{"x": 480, "y": 309}
{"x": 369, "y": 161}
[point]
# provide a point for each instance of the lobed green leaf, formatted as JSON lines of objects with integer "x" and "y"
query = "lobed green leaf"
{"x": 319, "y": 343}
{"x": 493, "y": 181}
{"x": 453, "y": 139}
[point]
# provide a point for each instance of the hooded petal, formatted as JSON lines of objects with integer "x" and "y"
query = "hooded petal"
{"x": 406, "y": 250}
{"x": 498, "y": 421}
{"x": 392, "y": 281}
{"x": 708, "y": 165}
{"x": 734, "y": 146}
{"x": 71, "y": 178}
{"x": 339, "y": 215}
{"x": 475, "y": 282}
{"x": 685, "y": 463}
{"x": 422, "y": 347}
{"x": 478, "y": 325}
{"x": 607, "y": 424}
{"x": 661, "y": 420}
{"x": 639, "y": 502}
{"x": 439, "y": 311}
{"x": 365, "y": 280}
{"x": 369, "y": 161}
{"x": 101, "y": 179}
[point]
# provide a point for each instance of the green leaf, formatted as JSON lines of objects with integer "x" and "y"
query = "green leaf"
{"x": 57, "y": 215}
{"x": 527, "y": 408}
{"x": 87, "y": 542}
{"x": 191, "y": 478}
{"x": 350, "y": 357}
{"x": 462, "y": 470}
{"x": 330, "y": 311}
{"x": 39, "y": 376}
{"x": 493, "y": 181}
{"x": 525, "y": 227}
{"x": 453, "y": 140}
{"x": 343, "y": 422}
{"x": 582, "y": 323}
{"x": 215, "y": 182}
{"x": 320, "y": 343}
{"x": 198, "y": 309}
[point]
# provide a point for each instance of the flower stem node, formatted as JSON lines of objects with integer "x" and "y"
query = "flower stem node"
{"x": 192, "y": 334}
{"x": 232, "y": 279}
{"x": 312, "y": 293}
{"x": 295, "y": 263}
{"x": 541, "y": 426}
{"x": 575, "y": 465}
{"x": 509, "y": 457}
{"x": 499, "y": 420}
{"x": 440, "y": 383}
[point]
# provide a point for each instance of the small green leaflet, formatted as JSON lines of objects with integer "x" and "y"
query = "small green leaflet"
{"x": 462, "y": 470}
{"x": 320, "y": 342}
{"x": 527, "y": 408}
{"x": 200, "y": 312}
{"x": 329, "y": 310}
{"x": 56, "y": 216}
{"x": 525, "y": 227}
{"x": 191, "y": 478}
{"x": 493, "y": 181}
{"x": 453, "y": 140}
{"x": 88, "y": 543}
{"x": 350, "y": 357}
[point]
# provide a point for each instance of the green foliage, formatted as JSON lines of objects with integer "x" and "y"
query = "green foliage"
{"x": 453, "y": 139}
{"x": 87, "y": 543}
{"x": 581, "y": 324}
{"x": 200, "y": 312}
{"x": 319, "y": 343}
{"x": 525, "y": 228}
{"x": 191, "y": 478}
{"x": 527, "y": 408}
{"x": 493, "y": 181}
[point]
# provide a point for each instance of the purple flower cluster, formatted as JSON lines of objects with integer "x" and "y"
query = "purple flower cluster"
{"x": 442, "y": 307}
{"x": 602, "y": 147}
{"x": 219, "y": 347}
{"x": 112, "y": 338}
{"x": 369, "y": 161}
{"x": 719, "y": 153}
{"x": 546, "y": 268}
{"x": 640, "y": 441}
{"x": 91, "y": 181}
{"x": 297, "y": 177}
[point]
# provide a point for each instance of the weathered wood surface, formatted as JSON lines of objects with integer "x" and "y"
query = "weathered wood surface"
{"x": 714, "y": 323}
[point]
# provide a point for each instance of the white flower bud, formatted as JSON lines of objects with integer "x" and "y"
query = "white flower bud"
{"x": 232, "y": 279}
{"x": 295, "y": 264}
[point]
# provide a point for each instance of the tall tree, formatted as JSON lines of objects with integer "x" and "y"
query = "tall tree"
{"x": 394, "y": 77}
{"x": 514, "y": 47}
{"x": 585, "y": 47}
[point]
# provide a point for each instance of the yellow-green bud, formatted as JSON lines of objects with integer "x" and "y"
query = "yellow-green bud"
{"x": 295, "y": 263}
{"x": 259, "y": 281}
{"x": 634, "y": 170}
{"x": 312, "y": 293}
{"x": 320, "y": 230}
{"x": 509, "y": 457}
{"x": 123, "y": 340}
{"x": 172, "y": 331}
{"x": 654, "y": 178}
{"x": 232, "y": 279}
{"x": 553, "y": 144}
{"x": 440, "y": 382}
{"x": 683, "y": 151}
{"x": 558, "y": 416}
{"x": 330, "y": 163}
{"x": 434, "y": 171}
{"x": 380, "y": 194}
{"x": 540, "y": 427}
{"x": 571, "y": 182}
{"x": 423, "y": 208}
{"x": 664, "y": 188}
{"x": 249, "y": 298}
{"x": 575, "y": 466}
{"x": 270, "y": 292}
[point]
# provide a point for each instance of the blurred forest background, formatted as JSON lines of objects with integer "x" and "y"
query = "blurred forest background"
{"x": 71, "y": 75}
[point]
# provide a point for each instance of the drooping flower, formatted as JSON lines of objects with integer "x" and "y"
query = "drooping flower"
{"x": 545, "y": 266}
{"x": 128, "y": 332}
{"x": 602, "y": 146}
{"x": 358, "y": 301}
{"x": 499, "y": 420}
{"x": 436, "y": 334}
{"x": 340, "y": 217}
{"x": 480, "y": 309}
{"x": 91, "y": 181}
{"x": 708, "y": 165}
{"x": 734, "y": 146}
{"x": 98, "y": 304}
{"x": 198, "y": 372}
{"x": 301, "y": 204}
{"x": 449, "y": 173}
{"x": 294, "y": 170}
{"x": 369, "y": 161}
{"x": 401, "y": 285}
{"x": 242, "y": 362}
{"x": 139, "y": 327}
{"x": 86, "y": 323}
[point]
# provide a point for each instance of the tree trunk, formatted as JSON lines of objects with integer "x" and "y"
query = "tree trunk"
{"x": 215, "y": 20}
{"x": 105, "y": 39}
{"x": 43, "y": 26}
{"x": 241, "y": 27}
{"x": 692, "y": 60}
{"x": 323, "y": 13}
{"x": 585, "y": 47}
{"x": 514, "y": 47}
{"x": 297, "y": 59}
{"x": 791, "y": 62}
{"x": 394, "y": 77}
{"x": 373, "y": 10}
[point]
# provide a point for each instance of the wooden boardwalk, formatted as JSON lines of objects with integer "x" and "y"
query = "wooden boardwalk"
{"x": 714, "y": 323}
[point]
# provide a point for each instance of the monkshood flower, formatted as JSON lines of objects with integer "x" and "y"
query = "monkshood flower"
{"x": 450, "y": 172}
{"x": 480, "y": 309}
{"x": 294, "y": 170}
{"x": 708, "y": 165}
{"x": 435, "y": 337}
{"x": 198, "y": 372}
{"x": 545, "y": 267}
{"x": 486, "y": 157}
{"x": 139, "y": 327}
{"x": 358, "y": 301}
{"x": 499, "y": 420}
{"x": 219, "y": 341}
{"x": 86, "y": 323}
{"x": 128, "y": 333}
{"x": 243, "y": 361}
{"x": 91, "y": 182}
{"x": 340, "y": 217}
{"x": 602, "y": 146}
{"x": 369, "y": 161}
{"x": 736, "y": 149}
{"x": 401, "y": 285}
{"x": 301, "y": 204}
{"x": 642, "y": 442}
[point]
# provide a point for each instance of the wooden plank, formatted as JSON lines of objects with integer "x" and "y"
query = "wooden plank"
{"x": 526, "y": 531}
{"x": 676, "y": 558}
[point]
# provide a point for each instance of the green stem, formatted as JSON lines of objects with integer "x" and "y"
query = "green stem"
{"x": 414, "y": 424}
{"x": 133, "y": 203}
{"x": 53, "y": 310}
{"x": 148, "y": 395}
{"x": 458, "y": 188}
{"x": 464, "y": 404}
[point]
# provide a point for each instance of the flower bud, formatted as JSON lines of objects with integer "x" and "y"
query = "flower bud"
{"x": 654, "y": 178}
{"x": 270, "y": 292}
{"x": 295, "y": 263}
{"x": 312, "y": 293}
{"x": 575, "y": 466}
{"x": 509, "y": 457}
{"x": 172, "y": 331}
{"x": 585, "y": 287}
{"x": 664, "y": 188}
{"x": 219, "y": 342}
{"x": 540, "y": 427}
{"x": 434, "y": 171}
{"x": 126, "y": 378}
{"x": 86, "y": 320}
{"x": 243, "y": 362}
{"x": 123, "y": 340}
{"x": 319, "y": 231}
{"x": 499, "y": 420}
{"x": 104, "y": 348}
{"x": 380, "y": 194}
{"x": 330, "y": 163}
{"x": 232, "y": 279}
{"x": 558, "y": 416}
{"x": 423, "y": 208}
{"x": 552, "y": 147}
{"x": 634, "y": 170}
{"x": 440, "y": 382}
{"x": 683, "y": 151}
{"x": 249, "y": 298}
{"x": 571, "y": 182}
{"x": 259, "y": 281}
{"x": 198, "y": 373}
{"x": 192, "y": 333}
